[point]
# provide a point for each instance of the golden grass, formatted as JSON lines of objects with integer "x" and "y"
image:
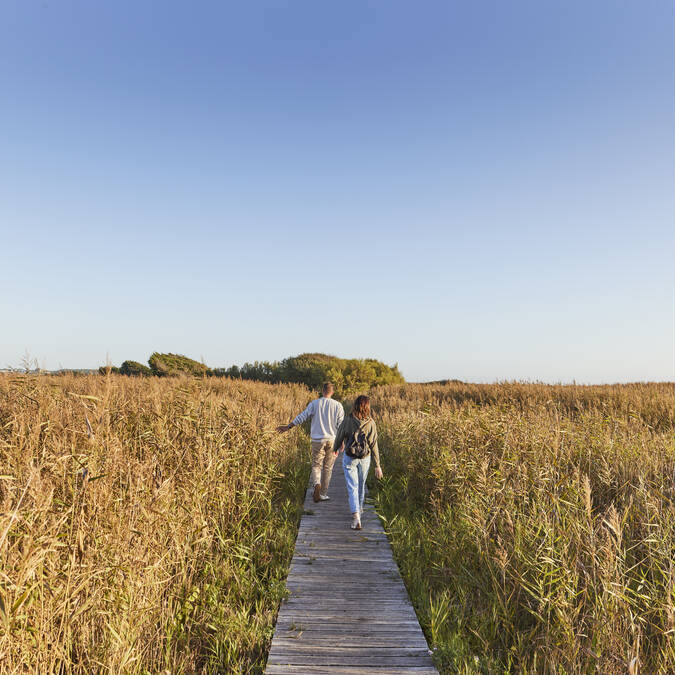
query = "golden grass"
{"x": 535, "y": 525}
{"x": 145, "y": 525}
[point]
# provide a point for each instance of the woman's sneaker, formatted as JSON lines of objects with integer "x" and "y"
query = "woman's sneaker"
{"x": 324, "y": 498}
{"x": 356, "y": 523}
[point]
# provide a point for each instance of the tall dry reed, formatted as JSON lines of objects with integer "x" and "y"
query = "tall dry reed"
{"x": 145, "y": 525}
{"x": 535, "y": 525}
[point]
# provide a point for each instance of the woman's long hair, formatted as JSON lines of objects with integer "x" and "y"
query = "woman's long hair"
{"x": 361, "y": 409}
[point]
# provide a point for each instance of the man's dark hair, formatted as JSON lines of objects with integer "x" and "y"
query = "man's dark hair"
{"x": 328, "y": 388}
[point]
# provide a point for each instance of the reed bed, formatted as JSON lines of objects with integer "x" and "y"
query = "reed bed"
{"x": 145, "y": 525}
{"x": 535, "y": 525}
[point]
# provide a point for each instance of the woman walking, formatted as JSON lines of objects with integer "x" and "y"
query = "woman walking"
{"x": 359, "y": 434}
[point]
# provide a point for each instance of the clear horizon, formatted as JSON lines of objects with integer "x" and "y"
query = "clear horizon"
{"x": 34, "y": 363}
{"x": 473, "y": 191}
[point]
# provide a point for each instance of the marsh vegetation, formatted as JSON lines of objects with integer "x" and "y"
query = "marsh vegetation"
{"x": 535, "y": 525}
{"x": 146, "y": 524}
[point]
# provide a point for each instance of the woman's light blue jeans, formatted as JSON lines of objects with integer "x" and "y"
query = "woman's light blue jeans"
{"x": 356, "y": 472}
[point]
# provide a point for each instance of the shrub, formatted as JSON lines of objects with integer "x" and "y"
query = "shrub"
{"x": 348, "y": 375}
{"x": 134, "y": 368}
{"x": 165, "y": 365}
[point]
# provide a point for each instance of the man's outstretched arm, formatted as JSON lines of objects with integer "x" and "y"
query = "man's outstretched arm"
{"x": 304, "y": 415}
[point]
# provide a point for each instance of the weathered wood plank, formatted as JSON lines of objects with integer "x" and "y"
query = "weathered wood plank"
{"x": 346, "y": 604}
{"x": 309, "y": 659}
{"x": 348, "y": 650}
{"x": 372, "y": 630}
{"x": 373, "y": 594}
{"x": 336, "y": 590}
{"x": 299, "y": 618}
{"x": 289, "y": 669}
{"x": 348, "y": 611}
{"x": 345, "y": 634}
{"x": 410, "y": 640}
{"x": 373, "y": 582}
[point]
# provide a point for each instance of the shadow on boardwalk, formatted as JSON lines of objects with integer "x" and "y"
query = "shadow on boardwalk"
{"x": 348, "y": 611}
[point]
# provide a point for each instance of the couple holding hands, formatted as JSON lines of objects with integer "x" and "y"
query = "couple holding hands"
{"x": 331, "y": 430}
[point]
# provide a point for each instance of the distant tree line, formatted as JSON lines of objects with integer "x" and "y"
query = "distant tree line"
{"x": 348, "y": 375}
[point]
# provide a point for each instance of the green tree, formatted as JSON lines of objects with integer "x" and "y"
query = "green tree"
{"x": 134, "y": 368}
{"x": 165, "y": 365}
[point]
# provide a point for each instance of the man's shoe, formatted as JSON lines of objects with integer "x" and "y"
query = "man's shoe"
{"x": 324, "y": 498}
{"x": 317, "y": 492}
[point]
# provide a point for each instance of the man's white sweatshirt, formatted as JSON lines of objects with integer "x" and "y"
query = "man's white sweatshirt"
{"x": 326, "y": 414}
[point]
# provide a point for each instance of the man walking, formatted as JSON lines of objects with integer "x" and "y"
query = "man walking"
{"x": 326, "y": 415}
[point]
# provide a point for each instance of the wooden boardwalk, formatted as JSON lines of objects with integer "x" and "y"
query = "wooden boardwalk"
{"x": 348, "y": 611}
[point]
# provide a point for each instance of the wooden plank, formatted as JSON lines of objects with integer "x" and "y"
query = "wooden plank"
{"x": 343, "y": 629}
{"x": 373, "y": 594}
{"x": 310, "y": 659}
{"x": 347, "y": 604}
{"x": 364, "y": 630}
{"x": 348, "y": 650}
{"x": 336, "y": 588}
{"x": 367, "y": 593}
{"x": 293, "y": 629}
{"x": 347, "y": 611}
{"x": 301, "y": 595}
{"x": 374, "y": 645}
{"x": 374, "y": 583}
{"x": 300, "y": 617}
{"x": 322, "y": 573}
{"x": 411, "y": 641}
{"x": 289, "y": 669}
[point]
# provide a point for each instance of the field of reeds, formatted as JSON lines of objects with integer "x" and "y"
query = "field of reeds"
{"x": 146, "y": 525}
{"x": 535, "y": 525}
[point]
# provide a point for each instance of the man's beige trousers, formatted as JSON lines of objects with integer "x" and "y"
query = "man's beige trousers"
{"x": 322, "y": 463}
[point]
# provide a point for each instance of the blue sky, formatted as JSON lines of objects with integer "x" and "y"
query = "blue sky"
{"x": 479, "y": 190}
